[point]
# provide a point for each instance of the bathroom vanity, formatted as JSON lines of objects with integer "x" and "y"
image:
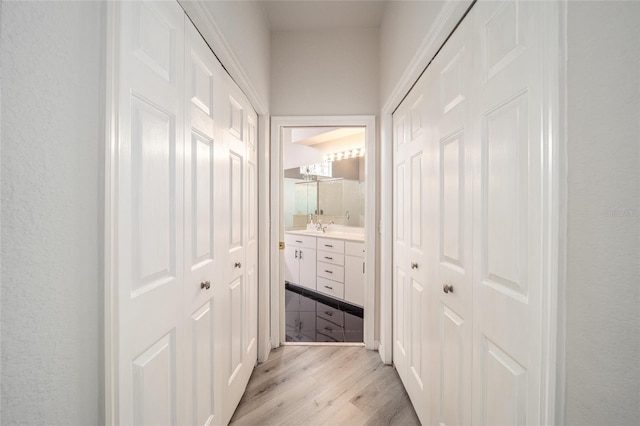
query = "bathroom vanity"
{"x": 330, "y": 263}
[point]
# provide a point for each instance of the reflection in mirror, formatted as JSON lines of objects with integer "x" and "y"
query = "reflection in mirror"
{"x": 324, "y": 176}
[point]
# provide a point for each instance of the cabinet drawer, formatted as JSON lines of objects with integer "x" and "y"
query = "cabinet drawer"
{"x": 293, "y": 240}
{"x": 353, "y": 248}
{"x": 328, "y": 244}
{"x": 330, "y": 288}
{"x": 332, "y": 272}
{"x": 330, "y": 257}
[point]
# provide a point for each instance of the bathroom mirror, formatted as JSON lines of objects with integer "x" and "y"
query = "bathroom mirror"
{"x": 324, "y": 176}
{"x": 339, "y": 200}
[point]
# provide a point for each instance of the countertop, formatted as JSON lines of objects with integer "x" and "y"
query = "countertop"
{"x": 338, "y": 235}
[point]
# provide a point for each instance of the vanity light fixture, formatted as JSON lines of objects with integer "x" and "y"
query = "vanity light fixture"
{"x": 343, "y": 155}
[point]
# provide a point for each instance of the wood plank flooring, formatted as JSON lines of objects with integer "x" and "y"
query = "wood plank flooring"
{"x": 324, "y": 385}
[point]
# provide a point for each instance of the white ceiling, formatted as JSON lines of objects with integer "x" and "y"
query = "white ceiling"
{"x": 318, "y": 135}
{"x": 296, "y": 15}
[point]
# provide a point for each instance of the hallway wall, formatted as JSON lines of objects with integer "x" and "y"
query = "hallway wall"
{"x": 51, "y": 158}
{"x": 603, "y": 266}
{"x": 333, "y": 72}
{"x": 404, "y": 27}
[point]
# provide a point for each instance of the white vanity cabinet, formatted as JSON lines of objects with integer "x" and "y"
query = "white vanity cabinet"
{"x": 300, "y": 260}
{"x": 338, "y": 265}
{"x": 354, "y": 272}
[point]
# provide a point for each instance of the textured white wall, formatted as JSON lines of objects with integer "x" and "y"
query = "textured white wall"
{"x": 603, "y": 270}
{"x": 404, "y": 27}
{"x": 333, "y": 72}
{"x": 51, "y": 64}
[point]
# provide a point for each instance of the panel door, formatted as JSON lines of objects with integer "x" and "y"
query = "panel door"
{"x": 400, "y": 243}
{"x": 450, "y": 292}
{"x": 203, "y": 252}
{"x": 508, "y": 220}
{"x": 149, "y": 224}
{"x": 411, "y": 248}
{"x": 251, "y": 243}
{"x": 239, "y": 133}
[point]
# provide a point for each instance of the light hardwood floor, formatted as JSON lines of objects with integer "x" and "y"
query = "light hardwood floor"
{"x": 324, "y": 385}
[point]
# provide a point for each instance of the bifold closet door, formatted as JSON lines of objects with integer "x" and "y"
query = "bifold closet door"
{"x": 469, "y": 224}
{"x": 450, "y": 94}
{"x": 508, "y": 220}
{"x": 204, "y": 249}
{"x": 151, "y": 331}
{"x": 411, "y": 190}
{"x": 186, "y": 246}
{"x": 239, "y": 132}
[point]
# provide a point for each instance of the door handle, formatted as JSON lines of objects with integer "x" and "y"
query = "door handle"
{"x": 296, "y": 254}
{"x": 205, "y": 285}
{"x": 300, "y": 254}
{"x": 328, "y": 271}
{"x": 327, "y": 257}
{"x": 414, "y": 265}
{"x": 238, "y": 265}
{"x": 447, "y": 288}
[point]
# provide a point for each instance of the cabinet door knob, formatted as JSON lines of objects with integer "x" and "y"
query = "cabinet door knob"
{"x": 414, "y": 265}
{"x": 238, "y": 265}
{"x": 447, "y": 288}
{"x": 205, "y": 285}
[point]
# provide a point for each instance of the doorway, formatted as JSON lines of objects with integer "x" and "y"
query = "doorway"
{"x": 323, "y": 195}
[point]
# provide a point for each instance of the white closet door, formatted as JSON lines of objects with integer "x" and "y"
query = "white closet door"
{"x": 508, "y": 348}
{"x": 251, "y": 241}
{"x": 149, "y": 219}
{"x": 410, "y": 248}
{"x": 450, "y": 94}
{"x": 239, "y": 134}
{"x": 481, "y": 300}
{"x": 204, "y": 230}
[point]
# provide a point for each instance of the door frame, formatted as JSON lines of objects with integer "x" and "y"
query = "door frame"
{"x": 278, "y": 123}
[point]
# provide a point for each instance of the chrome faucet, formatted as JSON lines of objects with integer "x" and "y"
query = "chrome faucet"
{"x": 319, "y": 225}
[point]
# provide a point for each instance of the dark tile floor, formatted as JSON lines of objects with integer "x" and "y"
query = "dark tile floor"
{"x": 311, "y": 317}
